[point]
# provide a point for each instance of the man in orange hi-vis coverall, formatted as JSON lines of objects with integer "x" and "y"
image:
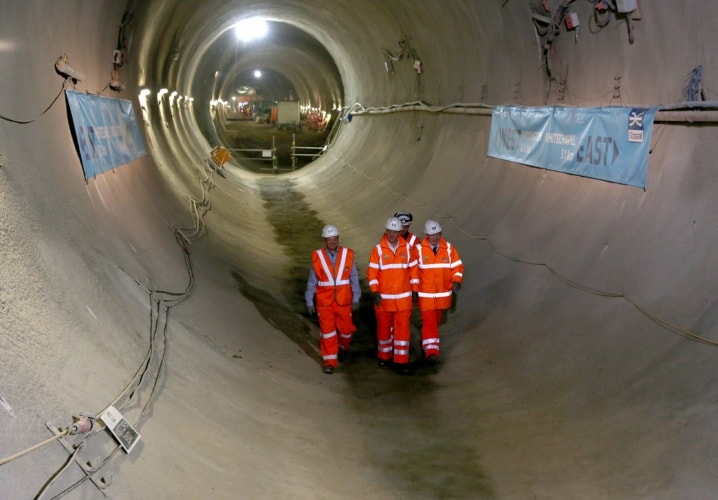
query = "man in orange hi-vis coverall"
{"x": 393, "y": 280}
{"x": 440, "y": 275}
{"x": 334, "y": 285}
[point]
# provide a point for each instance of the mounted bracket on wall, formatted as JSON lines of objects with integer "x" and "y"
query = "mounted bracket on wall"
{"x": 63, "y": 67}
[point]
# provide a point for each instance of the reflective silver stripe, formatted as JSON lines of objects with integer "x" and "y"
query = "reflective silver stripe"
{"x": 374, "y": 282}
{"x": 438, "y": 265}
{"x": 329, "y": 356}
{"x": 329, "y": 335}
{"x": 395, "y": 266}
{"x": 386, "y": 344}
{"x": 409, "y": 262}
{"x": 325, "y": 265}
{"x": 327, "y": 271}
{"x": 430, "y": 344}
{"x": 395, "y": 296}
{"x": 342, "y": 263}
{"x": 428, "y": 295}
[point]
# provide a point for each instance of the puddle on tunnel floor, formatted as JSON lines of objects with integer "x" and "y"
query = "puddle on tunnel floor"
{"x": 419, "y": 444}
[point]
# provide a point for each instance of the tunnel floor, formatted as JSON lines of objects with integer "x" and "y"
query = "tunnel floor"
{"x": 433, "y": 459}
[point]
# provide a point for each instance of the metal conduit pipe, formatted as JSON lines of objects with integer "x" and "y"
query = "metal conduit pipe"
{"x": 694, "y": 116}
{"x": 665, "y": 115}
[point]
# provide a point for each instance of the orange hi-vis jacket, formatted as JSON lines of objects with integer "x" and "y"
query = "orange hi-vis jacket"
{"x": 412, "y": 239}
{"x": 393, "y": 275}
{"x": 437, "y": 274}
{"x": 333, "y": 284}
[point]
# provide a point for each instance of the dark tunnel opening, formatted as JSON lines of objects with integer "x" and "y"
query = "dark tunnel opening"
{"x": 273, "y": 99}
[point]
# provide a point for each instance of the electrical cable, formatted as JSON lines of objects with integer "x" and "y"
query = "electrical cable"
{"x": 33, "y": 448}
{"x": 25, "y": 122}
{"x": 161, "y": 303}
{"x": 58, "y": 473}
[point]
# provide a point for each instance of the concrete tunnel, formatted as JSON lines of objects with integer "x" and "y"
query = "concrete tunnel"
{"x": 577, "y": 362}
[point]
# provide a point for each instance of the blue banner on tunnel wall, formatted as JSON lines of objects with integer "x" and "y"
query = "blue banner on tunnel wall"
{"x": 610, "y": 143}
{"x": 107, "y": 132}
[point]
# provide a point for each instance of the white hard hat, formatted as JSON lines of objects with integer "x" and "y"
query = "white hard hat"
{"x": 432, "y": 227}
{"x": 404, "y": 217}
{"x": 329, "y": 231}
{"x": 393, "y": 224}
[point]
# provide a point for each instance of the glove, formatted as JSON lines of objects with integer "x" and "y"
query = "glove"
{"x": 376, "y": 298}
{"x": 311, "y": 311}
{"x": 456, "y": 287}
{"x": 355, "y": 306}
{"x": 415, "y": 297}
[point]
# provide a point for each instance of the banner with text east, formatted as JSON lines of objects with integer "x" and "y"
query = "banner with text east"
{"x": 607, "y": 143}
{"x": 106, "y": 130}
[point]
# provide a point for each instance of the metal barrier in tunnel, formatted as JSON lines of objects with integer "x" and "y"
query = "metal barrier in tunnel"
{"x": 263, "y": 155}
{"x": 319, "y": 150}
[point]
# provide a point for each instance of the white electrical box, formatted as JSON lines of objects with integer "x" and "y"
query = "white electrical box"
{"x": 571, "y": 21}
{"x": 626, "y": 5}
{"x": 125, "y": 434}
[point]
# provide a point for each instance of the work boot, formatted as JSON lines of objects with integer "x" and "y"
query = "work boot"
{"x": 383, "y": 364}
{"x": 328, "y": 370}
{"x": 432, "y": 359}
{"x": 402, "y": 368}
{"x": 342, "y": 355}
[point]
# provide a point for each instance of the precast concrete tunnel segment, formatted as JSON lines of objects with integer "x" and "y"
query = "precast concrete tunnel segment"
{"x": 577, "y": 361}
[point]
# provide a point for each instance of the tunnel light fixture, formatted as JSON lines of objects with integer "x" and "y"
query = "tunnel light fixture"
{"x": 250, "y": 29}
{"x": 160, "y": 95}
{"x": 257, "y": 73}
{"x": 143, "y": 99}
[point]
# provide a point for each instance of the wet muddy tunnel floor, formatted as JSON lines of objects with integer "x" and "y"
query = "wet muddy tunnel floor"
{"x": 412, "y": 438}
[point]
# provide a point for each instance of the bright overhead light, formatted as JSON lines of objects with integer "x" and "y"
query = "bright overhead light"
{"x": 257, "y": 73}
{"x": 250, "y": 29}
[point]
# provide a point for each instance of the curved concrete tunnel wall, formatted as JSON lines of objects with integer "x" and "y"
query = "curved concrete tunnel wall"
{"x": 546, "y": 390}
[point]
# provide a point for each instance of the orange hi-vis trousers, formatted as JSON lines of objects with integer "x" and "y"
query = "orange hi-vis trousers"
{"x": 336, "y": 329}
{"x": 430, "y": 319}
{"x": 394, "y": 346}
